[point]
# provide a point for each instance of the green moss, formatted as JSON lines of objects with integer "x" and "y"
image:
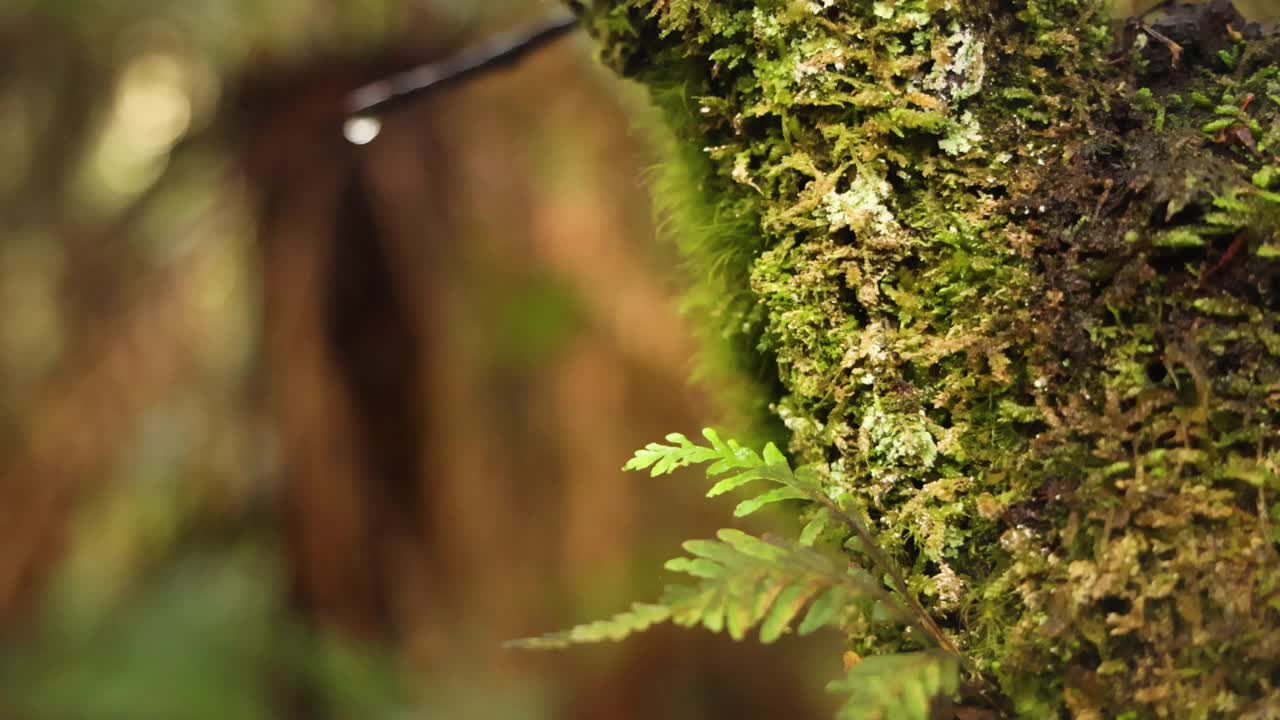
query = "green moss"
{"x": 1023, "y": 314}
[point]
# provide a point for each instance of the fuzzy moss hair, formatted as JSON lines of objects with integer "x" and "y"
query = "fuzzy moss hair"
{"x": 717, "y": 244}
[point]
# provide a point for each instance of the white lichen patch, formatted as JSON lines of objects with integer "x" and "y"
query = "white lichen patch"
{"x": 797, "y": 423}
{"x": 915, "y": 18}
{"x": 900, "y": 439}
{"x": 958, "y": 72}
{"x": 1017, "y": 539}
{"x": 814, "y": 59}
{"x": 806, "y": 69}
{"x": 742, "y": 172}
{"x": 766, "y": 25}
{"x": 948, "y": 586}
{"x": 862, "y": 208}
{"x": 962, "y": 135}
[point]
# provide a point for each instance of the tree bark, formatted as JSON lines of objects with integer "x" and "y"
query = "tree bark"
{"x": 1015, "y": 274}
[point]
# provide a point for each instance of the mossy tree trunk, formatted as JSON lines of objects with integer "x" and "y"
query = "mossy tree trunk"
{"x": 1017, "y": 279}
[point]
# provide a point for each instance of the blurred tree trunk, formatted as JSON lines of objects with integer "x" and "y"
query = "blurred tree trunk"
{"x": 63, "y": 426}
{"x": 421, "y": 493}
{"x": 345, "y": 325}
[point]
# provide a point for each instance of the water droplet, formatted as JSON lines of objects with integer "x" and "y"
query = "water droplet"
{"x": 362, "y": 129}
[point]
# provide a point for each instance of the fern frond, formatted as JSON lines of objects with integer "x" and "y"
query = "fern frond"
{"x": 743, "y": 582}
{"x": 904, "y": 686}
{"x": 663, "y": 459}
{"x": 639, "y": 618}
{"x": 735, "y": 466}
{"x": 748, "y": 581}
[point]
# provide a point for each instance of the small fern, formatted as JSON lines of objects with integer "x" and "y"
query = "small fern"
{"x": 743, "y": 581}
{"x": 737, "y": 466}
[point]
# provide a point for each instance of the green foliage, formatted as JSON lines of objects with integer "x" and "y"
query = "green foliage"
{"x": 639, "y": 618}
{"x": 744, "y": 582}
{"x": 903, "y": 685}
{"x": 737, "y": 465}
{"x": 716, "y": 243}
{"x": 747, "y": 581}
{"x": 203, "y": 636}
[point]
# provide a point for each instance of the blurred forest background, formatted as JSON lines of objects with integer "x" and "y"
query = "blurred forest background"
{"x": 291, "y": 428}
{"x": 294, "y": 428}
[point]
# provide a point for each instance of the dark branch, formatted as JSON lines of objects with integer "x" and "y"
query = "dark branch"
{"x": 383, "y": 95}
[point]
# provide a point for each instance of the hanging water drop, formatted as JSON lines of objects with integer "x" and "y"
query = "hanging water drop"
{"x": 361, "y": 129}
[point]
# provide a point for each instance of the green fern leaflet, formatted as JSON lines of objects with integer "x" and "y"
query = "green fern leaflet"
{"x": 744, "y": 581}
{"x": 639, "y": 618}
{"x": 741, "y": 465}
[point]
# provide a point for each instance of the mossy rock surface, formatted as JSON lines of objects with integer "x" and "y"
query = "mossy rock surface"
{"x": 1015, "y": 276}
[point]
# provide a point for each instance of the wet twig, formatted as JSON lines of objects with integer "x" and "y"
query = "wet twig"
{"x": 383, "y": 95}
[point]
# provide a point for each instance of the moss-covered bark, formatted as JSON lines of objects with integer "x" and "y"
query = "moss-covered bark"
{"x": 1021, "y": 294}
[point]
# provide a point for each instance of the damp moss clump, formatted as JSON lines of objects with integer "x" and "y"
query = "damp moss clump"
{"x": 1014, "y": 278}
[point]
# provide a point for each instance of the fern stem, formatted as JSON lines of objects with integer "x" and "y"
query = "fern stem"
{"x": 915, "y": 610}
